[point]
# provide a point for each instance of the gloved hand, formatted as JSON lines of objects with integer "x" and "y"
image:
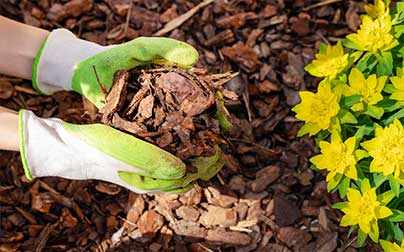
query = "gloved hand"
{"x": 51, "y": 147}
{"x": 65, "y": 62}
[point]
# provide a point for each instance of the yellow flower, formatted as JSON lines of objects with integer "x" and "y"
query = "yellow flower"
{"x": 329, "y": 62}
{"x": 391, "y": 247}
{"x": 338, "y": 158}
{"x": 373, "y": 36}
{"x": 364, "y": 209}
{"x": 377, "y": 10}
{"x": 370, "y": 89}
{"x": 317, "y": 109}
{"x": 387, "y": 150}
{"x": 398, "y": 83}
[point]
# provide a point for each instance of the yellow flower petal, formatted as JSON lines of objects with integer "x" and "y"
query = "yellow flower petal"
{"x": 365, "y": 186}
{"x": 398, "y": 96}
{"x": 317, "y": 110}
{"x": 353, "y": 195}
{"x": 374, "y": 231}
{"x": 374, "y": 35}
{"x": 377, "y": 10}
{"x": 364, "y": 225}
{"x": 388, "y": 155}
{"x": 360, "y": 154}
{"x": 348, "y": 220}
{"x": 398, "y": 82}
{"x": 356, "y": 78}
{"x": 391, "y": 247}
{"x": 319, "y": 162}
{"x": 383, "y": 212}
{"x": 351, "y": 172}
{"x": 329, "y": 63}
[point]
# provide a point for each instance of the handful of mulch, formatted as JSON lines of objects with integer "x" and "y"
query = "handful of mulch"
{"x": 179, "y": 110}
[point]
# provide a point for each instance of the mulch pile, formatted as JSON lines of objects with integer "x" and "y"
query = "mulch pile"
{"x": 170, "y": 107}
{"x": 266, "y": 198}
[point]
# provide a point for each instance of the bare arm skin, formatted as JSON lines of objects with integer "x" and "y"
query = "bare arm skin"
{"x": 19, "y": 44}
{"x": 9, "y": 139}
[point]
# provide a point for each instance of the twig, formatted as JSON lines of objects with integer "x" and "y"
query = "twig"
{"x": 176, "y": 22}
{"x": 127, "y": 221}
{"x": 103, "y": 88}
{"x": 25, "y": 90}
{"x": 323, "y": 38}
{"x": 323, "y": 3}
{"x": 253, "y": 144}
{"x": 205, "y": 248}
{"x": 272, "y": 225}
{"x": 220, "y": 179}
{"x": 247, "y": 106}
{"x": 44, "y": 236}
{"x": 240, "y": 229}
{"x": 128, "y": 17}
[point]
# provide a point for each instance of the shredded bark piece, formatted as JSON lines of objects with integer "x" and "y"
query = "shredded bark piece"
{"x": 170, "y": 107}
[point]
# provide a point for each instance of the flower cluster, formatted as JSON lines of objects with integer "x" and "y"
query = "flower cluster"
{"x": 357, "y": 115}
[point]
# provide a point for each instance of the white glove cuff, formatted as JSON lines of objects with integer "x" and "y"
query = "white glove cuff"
{"x": 45, "y": 148}
{"x": 56, "y": 60}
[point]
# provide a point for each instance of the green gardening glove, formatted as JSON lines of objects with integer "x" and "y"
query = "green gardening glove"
{"x": 207, "y": 167}
{"x": 51, "y": 147}
{"x": 65, "y": 62}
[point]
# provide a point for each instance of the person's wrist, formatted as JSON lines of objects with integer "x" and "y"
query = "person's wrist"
{"x": 8, "y": 130}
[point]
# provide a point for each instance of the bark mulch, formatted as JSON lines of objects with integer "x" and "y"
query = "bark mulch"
{"x": 266, "y": 198}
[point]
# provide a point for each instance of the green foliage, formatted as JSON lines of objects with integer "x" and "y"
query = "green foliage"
{"x": 361, "y": 140}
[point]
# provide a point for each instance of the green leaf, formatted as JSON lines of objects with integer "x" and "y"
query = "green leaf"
{"x": 322, "y": 48}
{"x": 347, "y": 117}
{"x": 398, "y": 115}
{"x": 373, "y": 111}
{"x": 353, "y": 57}
{"x": 379, "y": 179}
{"x": 222, "y": 114}
{"x": 343, "y": 186}
{"x": 385, "y": 66}
{"x": 386, "y": 197}
{"x": 340, "y": 205}
{"x": 351, "y": 229}
{"x": 305, "y": 129}
{"x": 399, "y": 16}
{"x": 368, "y": 61}
{"x": 396, "y": 202}
{"x": 348, "y": 43}
{"x": 389, "y": 105}
{"x": 389, "y": 88}
{"x": 321, "y": 136}
{"x": 394, "y": 185}
{"x": 398, "y": 30}
{"x": 395, "y": 229}
{"x": 348, "y": 101}
{"x": 361, "y": 237}
{"x": 362, "y": 131}
{"x": 398, "y": 216}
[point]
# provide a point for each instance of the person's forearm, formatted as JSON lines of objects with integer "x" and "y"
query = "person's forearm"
{"x": 19, "y": 44}
{"x": 9, "y": 139}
